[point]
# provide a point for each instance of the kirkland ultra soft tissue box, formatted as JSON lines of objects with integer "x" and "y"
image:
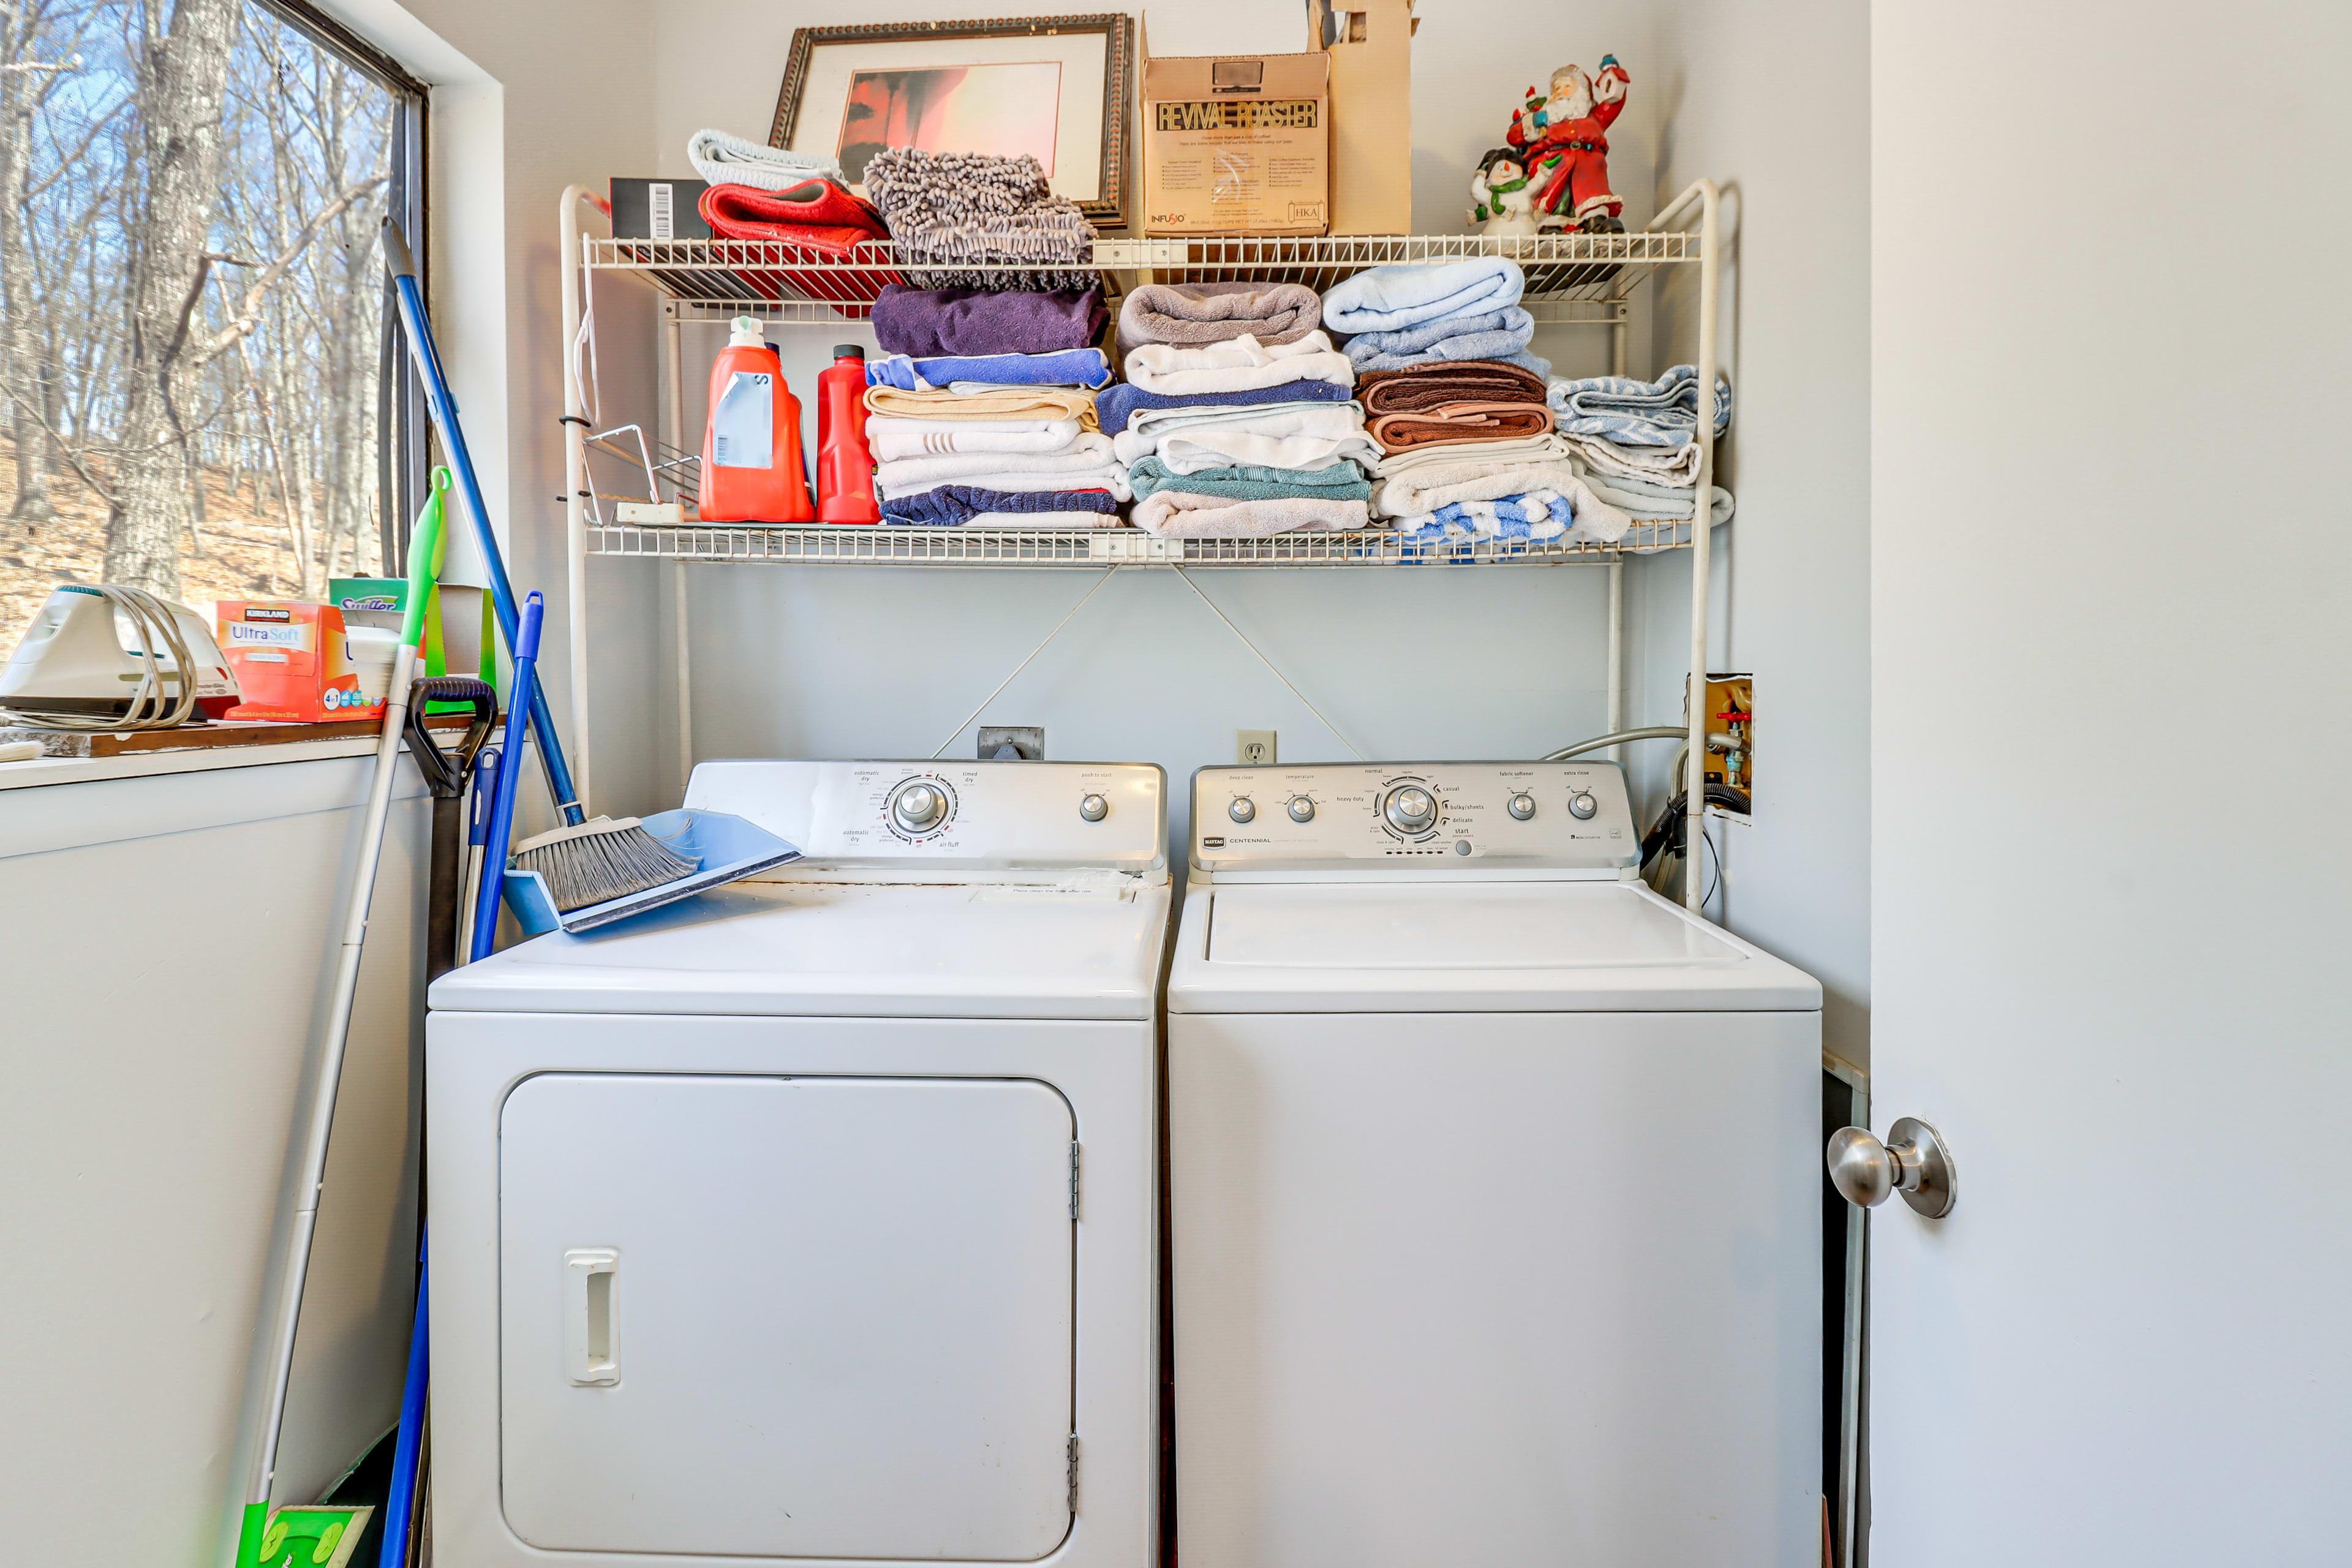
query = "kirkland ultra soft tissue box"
{"x": 1237, "y": 144}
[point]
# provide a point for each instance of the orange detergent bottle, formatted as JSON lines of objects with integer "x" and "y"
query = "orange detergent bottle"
{"x": 751, "y": 468}
{"x": 845, "y": 473}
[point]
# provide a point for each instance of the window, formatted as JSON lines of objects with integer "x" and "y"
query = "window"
{"x": 205, "y": 395}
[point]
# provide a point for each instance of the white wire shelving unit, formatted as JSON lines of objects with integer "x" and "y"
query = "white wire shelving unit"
{"x": 1579, "y": 280}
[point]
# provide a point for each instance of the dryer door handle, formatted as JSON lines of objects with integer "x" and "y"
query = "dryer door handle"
{"x": 592, "y": 1337}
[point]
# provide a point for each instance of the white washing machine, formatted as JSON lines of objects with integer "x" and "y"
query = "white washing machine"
{"x": 813, "y": 1220}
{"x": 1495, "y": 1187}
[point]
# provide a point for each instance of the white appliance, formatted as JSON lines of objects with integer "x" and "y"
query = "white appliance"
{"x": 1495, "y": 1190}
{"x": 813, "y": 1220}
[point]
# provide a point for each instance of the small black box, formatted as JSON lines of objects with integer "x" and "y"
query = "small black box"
{"x": 658, "y": 209}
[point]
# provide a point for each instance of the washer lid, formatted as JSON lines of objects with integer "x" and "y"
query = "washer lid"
{"x": 1450, "y": 947}
{"x": 1086, "y": 948}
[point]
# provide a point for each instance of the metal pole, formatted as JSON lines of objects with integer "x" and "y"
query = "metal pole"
{"x": 674, "y": 438}
{"x": 1702, "y": 540}
{"x": 1616, "y": 653}
{"x": 575, "y": 481}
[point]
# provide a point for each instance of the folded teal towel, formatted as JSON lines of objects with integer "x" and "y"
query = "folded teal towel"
{"x": 1343, "y": 480}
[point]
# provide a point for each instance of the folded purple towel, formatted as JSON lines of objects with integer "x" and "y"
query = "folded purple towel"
{"x": 947, "y": 505}
{"x": 1114, "y": 403}
{"x": 925, "y": 322}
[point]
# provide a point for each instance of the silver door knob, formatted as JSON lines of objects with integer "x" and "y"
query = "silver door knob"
{"x": 1913, "y": 1162}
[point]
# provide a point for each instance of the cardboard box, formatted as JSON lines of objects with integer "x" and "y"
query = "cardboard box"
{"x": 1369, "y": 43}
{"x": 1237, "y": 144}
{"x": 658, "y": 209}
{"x": 293, "y": 662}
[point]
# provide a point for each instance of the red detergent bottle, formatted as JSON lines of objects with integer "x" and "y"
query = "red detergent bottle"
{"x": 844, "y": 468}
{"x": 751, "y": 468}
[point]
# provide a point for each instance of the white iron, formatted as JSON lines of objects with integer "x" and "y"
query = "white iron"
{"x": 85, "y": 656}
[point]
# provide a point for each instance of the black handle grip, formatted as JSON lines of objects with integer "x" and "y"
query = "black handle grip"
{"x": 445, "y": 772}
{"x": 396, "y": 257}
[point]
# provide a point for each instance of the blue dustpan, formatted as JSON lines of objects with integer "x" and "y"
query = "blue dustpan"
{"x": 726, "y": 848}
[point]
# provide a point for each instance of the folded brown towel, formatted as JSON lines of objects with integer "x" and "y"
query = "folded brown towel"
{"x": 1195, "y": 314}
{"x": 1454, "y": 422}
{"x": 1453, "y": 400}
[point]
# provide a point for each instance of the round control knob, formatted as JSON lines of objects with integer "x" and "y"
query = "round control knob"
{"x": 1581, "y": 806}
{"x": 1410, "y": 809}
{"x": 1523, "y": 806}
{"x": 1094, "y": 808}
{"x": 1301, "y": 809}
{"x": 1244, "y": 809}
{"x": 918, "y": 807}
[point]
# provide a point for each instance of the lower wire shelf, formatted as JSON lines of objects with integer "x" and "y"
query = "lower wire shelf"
{"x": 822, "y": 544}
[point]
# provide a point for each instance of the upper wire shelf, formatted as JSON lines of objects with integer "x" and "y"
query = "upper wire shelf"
{"x": 1570, "y": 277}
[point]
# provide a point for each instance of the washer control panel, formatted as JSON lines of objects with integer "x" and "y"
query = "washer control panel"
{"x": 1027, "y": 816}
{"x": 1438, "y": 816}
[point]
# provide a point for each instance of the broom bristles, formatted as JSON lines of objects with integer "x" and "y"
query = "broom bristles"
{"x": 599, "y": 865}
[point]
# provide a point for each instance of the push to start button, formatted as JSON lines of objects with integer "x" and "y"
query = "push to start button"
{"x": 1461, "y": 846}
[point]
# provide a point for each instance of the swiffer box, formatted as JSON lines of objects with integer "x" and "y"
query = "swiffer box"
{"x": 1237, "y": 144}
{"x": 1369, "y": 43}
{"x": 293, "y": 661}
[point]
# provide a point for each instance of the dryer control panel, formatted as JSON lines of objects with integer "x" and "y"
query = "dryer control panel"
{"x": 935, "y": 816}
{"x": 1430, "y": 816}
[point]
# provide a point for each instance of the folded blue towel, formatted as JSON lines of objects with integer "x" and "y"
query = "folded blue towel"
{"x": 1115, "y": 403}
{"x": 1537, "y": 514}
{"x": 949, "y": 506}
{"x": 1066, "y": 367}
{"x": 1661, "y": 413}
{"x": 1494, "y": 334}
{"x": 1389, "y": 299}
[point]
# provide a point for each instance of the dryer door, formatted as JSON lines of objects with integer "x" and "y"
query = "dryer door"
{"x": 786, "y": 1317}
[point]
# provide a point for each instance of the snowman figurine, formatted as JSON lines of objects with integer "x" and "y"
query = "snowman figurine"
{"x": 1501, "y": 195}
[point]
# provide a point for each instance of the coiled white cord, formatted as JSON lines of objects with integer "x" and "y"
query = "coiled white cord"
{"x": 156, "y": 628}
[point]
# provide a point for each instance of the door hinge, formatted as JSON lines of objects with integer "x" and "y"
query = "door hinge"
{"x": 1074, "y": 1462}
{"x": 1074, "y": 1183}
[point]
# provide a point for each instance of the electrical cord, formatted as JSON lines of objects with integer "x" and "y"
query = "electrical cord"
{"x": 154, "y": 623}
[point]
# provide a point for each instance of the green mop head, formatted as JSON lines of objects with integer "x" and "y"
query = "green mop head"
{"x": 598, "y": 861}
{"x": 311, "y": 1537}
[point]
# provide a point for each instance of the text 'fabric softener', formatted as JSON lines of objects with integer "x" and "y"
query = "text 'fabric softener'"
{"x": 751, "y": 470}
{"x": 844, "y": 468}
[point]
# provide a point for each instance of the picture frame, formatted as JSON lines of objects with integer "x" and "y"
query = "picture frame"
{"x": 1058, "y": 87}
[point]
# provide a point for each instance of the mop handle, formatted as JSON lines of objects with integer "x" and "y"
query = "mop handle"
{"x": 326, "y": 1078}
{"x": 403, "y": 267}
{"x": 502, "y": 799}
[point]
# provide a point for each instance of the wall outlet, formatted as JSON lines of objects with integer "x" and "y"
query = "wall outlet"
{"x": 1012, "y": 742}
{"x": 1254, "y": 748}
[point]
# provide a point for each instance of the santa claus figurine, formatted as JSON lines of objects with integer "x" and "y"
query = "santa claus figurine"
{"x": 1565, "y": 140}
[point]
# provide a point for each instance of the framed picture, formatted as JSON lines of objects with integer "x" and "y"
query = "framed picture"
{"x": 1053, "y": 87}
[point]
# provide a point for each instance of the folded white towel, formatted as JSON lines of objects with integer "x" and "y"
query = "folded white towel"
{"x": 889, "y": 435}
{"x": 1426, "y": 490}
{"x": 1179, "y": 514}
{"x": 1238, "y": 364}
{"x": 1659, "y": 465}
{"x": 1526, "y": 449}
{"x": 1147, "y": 428}
{"x": 724, "y": 160}
{"x": 1219, "y": 446}
{"x": 902, "y": 476}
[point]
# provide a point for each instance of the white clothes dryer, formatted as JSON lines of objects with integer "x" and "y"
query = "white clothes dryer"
{"x": 813, "y": 1220}
{"x": 1495, "y": 1187}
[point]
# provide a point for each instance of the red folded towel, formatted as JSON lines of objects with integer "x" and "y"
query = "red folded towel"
{"x": 817, "y": 216}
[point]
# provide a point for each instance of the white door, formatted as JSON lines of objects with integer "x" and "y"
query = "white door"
{"x": 2113, "y": 900}
{"x": 786, "y": 1317}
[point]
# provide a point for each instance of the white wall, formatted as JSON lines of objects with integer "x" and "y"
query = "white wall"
{"x": 2110, "y": 572}
{"x": 1773, "y": 101}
